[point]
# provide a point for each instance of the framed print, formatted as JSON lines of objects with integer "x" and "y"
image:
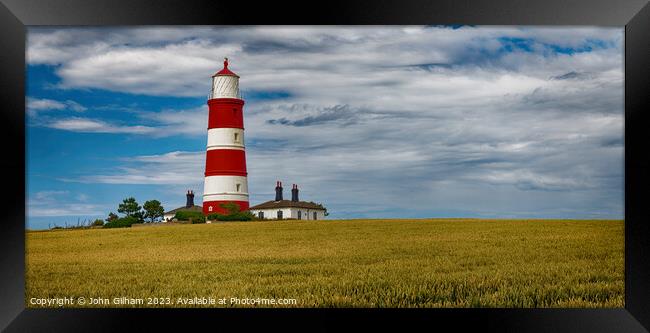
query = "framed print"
{"x": 469, "y": 165}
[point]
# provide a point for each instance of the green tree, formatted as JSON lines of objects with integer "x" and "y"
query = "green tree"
{"x": 129, "y": 207}
{"x": 111, "y": 217}
{"x": 138, "y": 216}
{"x": 153, "y": 210}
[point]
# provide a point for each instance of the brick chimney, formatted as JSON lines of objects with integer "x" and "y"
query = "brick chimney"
{"x": 278, "y": 191}
{"x": 190, "y": 199}
{"x": 294, "y": 193}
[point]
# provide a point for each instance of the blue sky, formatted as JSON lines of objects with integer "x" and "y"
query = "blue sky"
{"x": 370, "y": 121}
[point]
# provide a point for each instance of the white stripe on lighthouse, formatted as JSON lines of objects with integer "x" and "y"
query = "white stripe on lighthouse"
{"x": 226, "y": 185}
{"x": 225, "y": 197}
{"x": 226, "y": 138}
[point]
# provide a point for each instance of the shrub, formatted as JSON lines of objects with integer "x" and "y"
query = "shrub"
{"x": 198, "y": 220}
{"x": 98, "y": 222}
{"x": 237, "y": 216}
{"x": 195, "y": 217}
{"x": 230, "y": 207}
{"x": 233, "y": 214}
{"x": 124, "y": 222}
{"x": 112, "y": 217}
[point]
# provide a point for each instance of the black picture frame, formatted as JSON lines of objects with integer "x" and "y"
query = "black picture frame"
{"x": 15, "y": 15}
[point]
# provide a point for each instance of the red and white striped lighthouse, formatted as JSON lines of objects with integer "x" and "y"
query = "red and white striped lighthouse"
{"x": 225, "y": 165}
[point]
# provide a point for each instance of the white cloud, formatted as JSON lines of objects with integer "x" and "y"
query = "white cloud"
{"x": 192, "y": 122}
{"x": 34, "y": 105}
{"x": 77, "y": 124}
{"x": 126, "y": 60}
{"x": 527, "y": 180}
{"x": 61, "y": 203}
{"x": 167, "y": 169}
{"x": 46, "y": 196}
{"x": 66, "y": 210}
{"x": 44, "y": 104}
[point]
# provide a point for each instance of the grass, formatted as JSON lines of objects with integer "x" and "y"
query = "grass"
{"x": 340, "y": 263}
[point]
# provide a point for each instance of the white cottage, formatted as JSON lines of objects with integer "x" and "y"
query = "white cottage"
{"x": 288, "y": 209}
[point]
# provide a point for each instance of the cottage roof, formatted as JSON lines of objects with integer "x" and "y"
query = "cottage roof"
{"x": 194, "y": 208}
{"x": 288, "y": 204}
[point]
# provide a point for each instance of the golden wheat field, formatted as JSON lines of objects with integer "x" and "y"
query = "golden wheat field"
{"x": 336, "y": 263}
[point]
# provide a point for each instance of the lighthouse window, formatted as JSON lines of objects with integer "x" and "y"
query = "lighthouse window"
{"x": 236, "y": 137}
{"x": 238, "y": 186}
{"x": 210, "y": 209}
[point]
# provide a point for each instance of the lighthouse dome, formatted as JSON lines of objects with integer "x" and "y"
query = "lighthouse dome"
{"x": 225, "y": 83}
{"x": 225, "y": 70}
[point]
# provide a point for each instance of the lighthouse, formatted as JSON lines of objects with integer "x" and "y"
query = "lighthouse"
{"x": 225, "y": 163}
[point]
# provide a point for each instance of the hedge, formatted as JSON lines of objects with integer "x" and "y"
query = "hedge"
{"x": 238, "y": 216}
{"x": 195, "y": 217}
{"x": 124, "y": 222}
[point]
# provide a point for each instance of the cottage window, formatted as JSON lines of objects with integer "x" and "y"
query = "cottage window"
{"x": 299, "y": 215}
{"x": 314, "y": 215}
{"x": 260, "y": 215}
{"x": 279, "y": 214}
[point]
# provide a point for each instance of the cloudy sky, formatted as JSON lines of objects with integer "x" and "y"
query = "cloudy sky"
{"x": 402, "y": 121}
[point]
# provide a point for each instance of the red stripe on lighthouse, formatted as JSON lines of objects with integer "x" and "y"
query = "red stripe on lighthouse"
{"x": 216, "y": 206}
{"x": 231, "y": 162}
{"x": 225, "y": 112}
